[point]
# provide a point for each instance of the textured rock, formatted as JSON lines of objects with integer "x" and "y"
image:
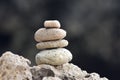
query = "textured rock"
{"x": 52, "y": 44}
{"x": 44, "y": 34}
{"x": 14, "y": 67}
{"x": 64, "y": 72}
{"x": 52, "y": 24}
{"x": 57, "y": 56}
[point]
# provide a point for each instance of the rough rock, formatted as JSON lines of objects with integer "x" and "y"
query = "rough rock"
{"x": 64, "y": 72}
{"x": 14, "y": 67}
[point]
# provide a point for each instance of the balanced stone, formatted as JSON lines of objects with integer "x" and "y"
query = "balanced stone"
{"x": 57, "y": 56}
{"x": 44, "y": 34}
{"x": 50, "y": 41}
{"x": 52, "y": 44}
{"x": 52, "y": 24}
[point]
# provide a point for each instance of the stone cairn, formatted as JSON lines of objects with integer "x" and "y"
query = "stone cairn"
{"x": 50, "y": 42}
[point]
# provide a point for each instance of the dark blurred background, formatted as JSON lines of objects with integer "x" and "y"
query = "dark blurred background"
{"x": 93, "y": 28}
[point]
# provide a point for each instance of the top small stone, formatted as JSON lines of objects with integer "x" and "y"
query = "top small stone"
{"x": 52, "y": 24}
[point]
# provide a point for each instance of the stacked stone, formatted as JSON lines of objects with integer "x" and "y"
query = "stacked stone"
{"x": 50, "y": 42}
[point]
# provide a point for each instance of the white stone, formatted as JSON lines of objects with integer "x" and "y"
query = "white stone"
{"x": 52, "y": 44}
{"x": 44, "y": 34}
{"x": 52, "y": 24}
{"x": 57, "y": 56}
{"x": 51, "y": 78}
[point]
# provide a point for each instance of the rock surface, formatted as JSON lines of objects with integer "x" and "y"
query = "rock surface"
{"x": 64, "y": 72}
{"x": 14, "y": 67}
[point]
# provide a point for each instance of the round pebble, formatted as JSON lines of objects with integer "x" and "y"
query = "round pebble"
{"x": 44, "y": 34}
{"x": 57, "y": 56}
{"x": 52, "y": 44}
{"x": 52, "y": 24}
